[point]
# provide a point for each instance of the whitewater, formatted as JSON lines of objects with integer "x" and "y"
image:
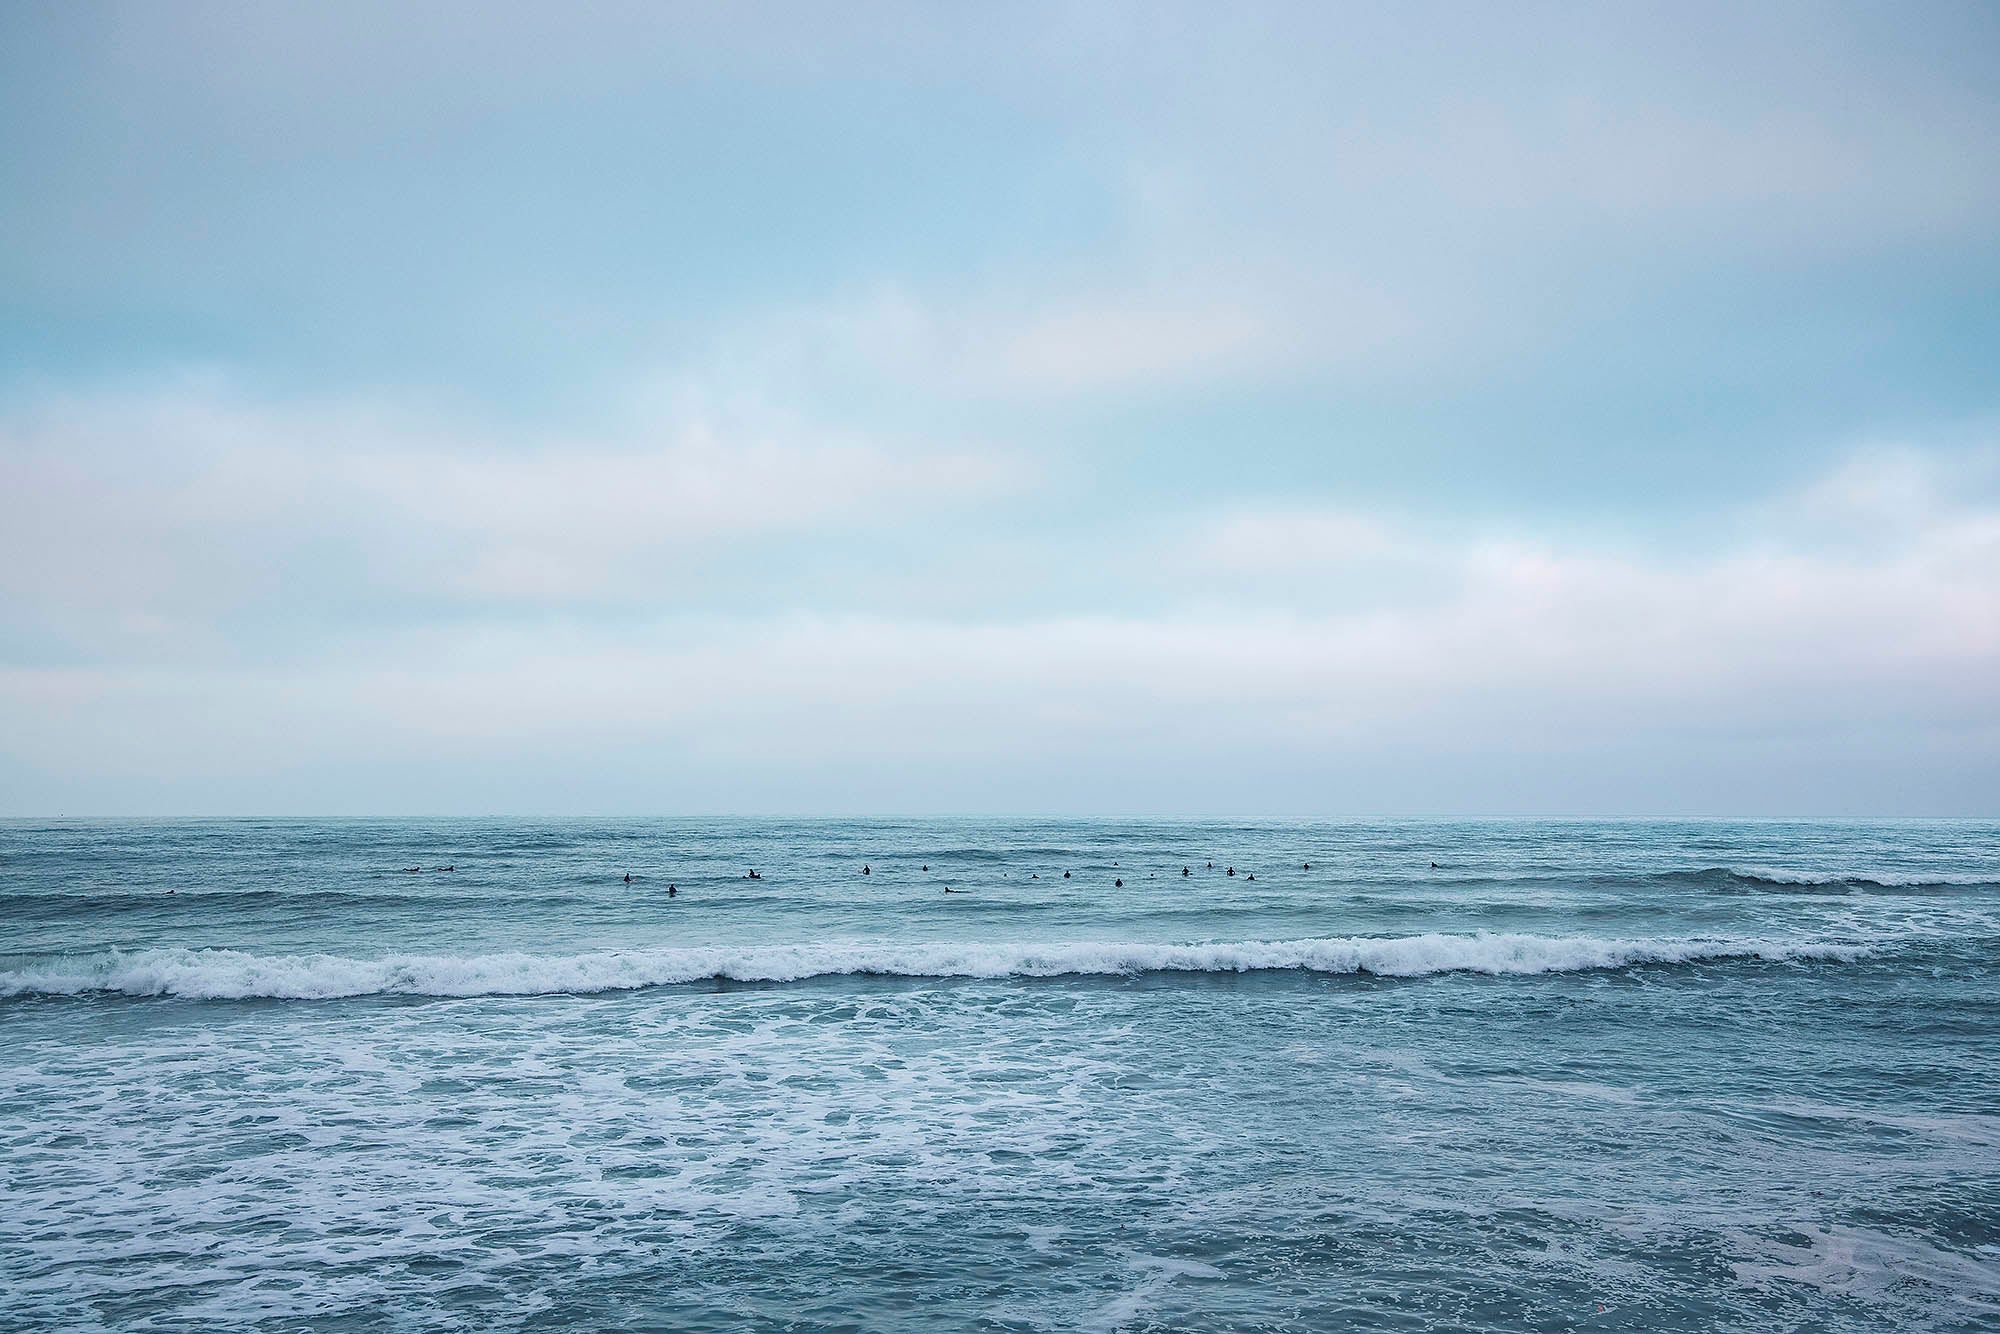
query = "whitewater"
{"x": 233, "y": 975}
{"x": 1473, "y": 1075}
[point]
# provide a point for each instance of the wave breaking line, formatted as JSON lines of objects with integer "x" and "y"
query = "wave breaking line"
{"x": 219, "y": 974}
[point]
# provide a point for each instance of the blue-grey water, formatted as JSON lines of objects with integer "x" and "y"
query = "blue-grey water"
{"x": 1575, "y": 1075}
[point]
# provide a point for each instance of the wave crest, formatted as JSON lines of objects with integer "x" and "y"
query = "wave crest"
{"x": 217, "y": 974}
{"x": 1746, "y": 879}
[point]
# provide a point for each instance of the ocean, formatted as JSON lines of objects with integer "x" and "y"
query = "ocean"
{"x": 1408, "y": 1075}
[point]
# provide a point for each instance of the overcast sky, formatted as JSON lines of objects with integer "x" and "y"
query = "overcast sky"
{"x": 1209, "y": 409}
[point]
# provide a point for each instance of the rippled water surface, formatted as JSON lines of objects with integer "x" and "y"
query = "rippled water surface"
{"x": 1454, "y": 1076}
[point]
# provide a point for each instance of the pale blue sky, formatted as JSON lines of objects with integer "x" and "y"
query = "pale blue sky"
{"x": 1196, "y": 409}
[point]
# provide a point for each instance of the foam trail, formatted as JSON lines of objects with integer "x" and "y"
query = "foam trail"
{"x": 231, "y": 975}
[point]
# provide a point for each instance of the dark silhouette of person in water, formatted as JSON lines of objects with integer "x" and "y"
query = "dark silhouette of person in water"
{"x": 628, "y": 877}
{"x": 1309, "y": 866}
{"x": 1211, "y": 866}
{"x": 1185, "y": 871}
{"x": 1036, "y": 876}
{"x": 866, "y": 871}
{"x": 1232, "y": 870}
{"x": 671, "y": 891}
{"x": 927, "y": 866}
{"x": 1434, "y": 866}
{"x": 1253, "y": 875}
{"x": 1117, "y": 884}
{"x": 1065, "y": 875}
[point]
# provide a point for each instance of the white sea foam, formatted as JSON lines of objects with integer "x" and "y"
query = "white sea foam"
{"x": 1859, "y": 1261}
{"x": 230, "y": 974}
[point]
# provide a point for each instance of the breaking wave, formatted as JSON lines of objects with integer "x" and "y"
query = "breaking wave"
{"x": 233, "y": 975}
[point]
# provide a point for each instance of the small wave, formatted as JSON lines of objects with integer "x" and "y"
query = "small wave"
{"x": 1764, "y": 879}
{"x": 958, "y": 856}
{"x": 232, "y": 975}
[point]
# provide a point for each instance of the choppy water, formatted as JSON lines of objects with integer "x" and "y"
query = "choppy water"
{"x": 1664, "y": 1076}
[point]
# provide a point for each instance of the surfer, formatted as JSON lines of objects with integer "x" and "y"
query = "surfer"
{"x": 866, "y": 871}
{"x": 1232, "y": 870}
{"x": 1065, "y": 875}
{"x": 671, "y": 891}
{"x": 628, "y": 877}
{"x": 1117, "y": 884}
{"x": 1185, "y": 871}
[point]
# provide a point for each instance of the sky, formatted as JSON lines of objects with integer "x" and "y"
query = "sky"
{"x": 1097, "y": 409}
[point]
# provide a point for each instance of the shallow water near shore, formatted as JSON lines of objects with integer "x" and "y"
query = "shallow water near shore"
{"x": 1676, "y": 1075}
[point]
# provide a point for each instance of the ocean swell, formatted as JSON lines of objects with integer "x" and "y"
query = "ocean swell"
{"x": 1753, "y": 879}
{"x": 218, "y": 974}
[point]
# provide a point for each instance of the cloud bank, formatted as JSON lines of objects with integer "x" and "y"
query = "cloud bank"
{"x": 235, "y": 593}
{"x": 1059, "y": 408}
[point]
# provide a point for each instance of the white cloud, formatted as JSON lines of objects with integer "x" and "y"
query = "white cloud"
{"x": 1299, "y": 539}
{"x": 1089, "y": 346}
{"x": 1022, "y": 343}
{"x": 1534, "y": 647}
{"x": 194, "y": 502}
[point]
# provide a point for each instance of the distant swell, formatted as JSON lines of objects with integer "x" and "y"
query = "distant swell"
{"x": 230, "y": 974}
{"x": 1733, "y": 878}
